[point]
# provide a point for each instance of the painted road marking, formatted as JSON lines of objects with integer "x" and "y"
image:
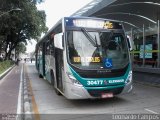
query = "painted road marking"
{"x": 151, "y": 111}
{"x": 19, "y": 104}
{"x": 3, "y": 78}
{"x": 34, "y": 105}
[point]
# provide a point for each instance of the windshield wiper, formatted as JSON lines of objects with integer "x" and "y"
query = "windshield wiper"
{"x": 89, "y": 37}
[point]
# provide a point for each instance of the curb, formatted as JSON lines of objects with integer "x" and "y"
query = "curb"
{"x": 148, "y": 84}
{"x": 147, "y": 70}
{"x": 6, "y": 72}
{"x": 27, "y": 105}
{"x": 26, "y": 112}
{"x": 149, "y": 79}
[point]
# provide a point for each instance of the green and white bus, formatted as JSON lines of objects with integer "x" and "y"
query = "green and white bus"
{"x": 85, "y": 57}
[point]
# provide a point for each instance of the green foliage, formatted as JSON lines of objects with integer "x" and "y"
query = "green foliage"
{"x": 5, "y": 65}
{"x": 20, "y": 48}
{"x": 20, "y": 26}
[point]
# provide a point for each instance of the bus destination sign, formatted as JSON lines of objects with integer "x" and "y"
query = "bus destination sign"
{"x": 93, "y": 23}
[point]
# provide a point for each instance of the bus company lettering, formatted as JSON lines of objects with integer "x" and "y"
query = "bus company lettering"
{"x": 86, "y": 59}
{"x": 116, "y": 81}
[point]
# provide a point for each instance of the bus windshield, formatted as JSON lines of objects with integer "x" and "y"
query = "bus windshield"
{"x": 89, "y": 49}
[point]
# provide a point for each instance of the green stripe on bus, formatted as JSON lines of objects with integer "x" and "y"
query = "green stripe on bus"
{"x": 83, "y": 81}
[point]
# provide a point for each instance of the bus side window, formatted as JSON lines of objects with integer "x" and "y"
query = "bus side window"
{"x": 40, "y": 51}
{"x": 52, "y": 47}
{"x": 47, "y": 49}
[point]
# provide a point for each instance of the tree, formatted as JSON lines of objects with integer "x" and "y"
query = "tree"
{"x": 20, "y": 48}
{"x": 21, "y": 26}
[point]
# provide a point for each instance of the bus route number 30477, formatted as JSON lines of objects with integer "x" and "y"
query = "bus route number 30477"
{"x": 94, "y": 82}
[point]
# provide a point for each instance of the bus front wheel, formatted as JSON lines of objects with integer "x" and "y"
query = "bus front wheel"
{"x": 52, "y": 78}
{"x": 40, "y": 76}
{"x": 57, "y": 92}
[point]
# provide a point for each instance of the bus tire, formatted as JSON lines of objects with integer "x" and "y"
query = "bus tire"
{"x": 57, "y": 92}
{"x": 40, "y": 76}
{"x": 52, "y": 78}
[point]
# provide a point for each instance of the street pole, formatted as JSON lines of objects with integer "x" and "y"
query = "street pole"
{"x": 158, "y": 41}
{"x": 143, "y": 46}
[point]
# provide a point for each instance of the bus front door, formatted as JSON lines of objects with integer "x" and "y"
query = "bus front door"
{"x": 59, "y": 68}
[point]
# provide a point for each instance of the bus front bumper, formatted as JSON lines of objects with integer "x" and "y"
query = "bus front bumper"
{"x": 79, "y": 92}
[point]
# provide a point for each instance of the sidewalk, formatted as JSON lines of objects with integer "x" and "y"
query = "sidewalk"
{"x": 149, "y": 76}
{"x": 147, "y": 69}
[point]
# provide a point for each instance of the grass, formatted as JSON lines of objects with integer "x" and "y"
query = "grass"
{"x": 4, "y": 65}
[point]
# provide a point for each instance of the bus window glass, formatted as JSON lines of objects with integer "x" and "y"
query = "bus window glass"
{"x": 52, "y": 49}
{"x": 40, "y": 51}
{"x": 47, "y": 48}
{"x": 84, "y": 54}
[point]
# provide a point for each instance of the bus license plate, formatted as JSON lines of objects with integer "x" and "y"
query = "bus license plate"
{"x": 107, "y": 95}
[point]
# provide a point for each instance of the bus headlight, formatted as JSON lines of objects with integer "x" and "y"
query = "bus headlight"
{"x": 74, "y": 80}
{"x": 129, "y": 78}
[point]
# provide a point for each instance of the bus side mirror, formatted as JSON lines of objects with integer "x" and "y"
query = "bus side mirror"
{"x": 130, "y": 43}
{"x": 58, "y": 41}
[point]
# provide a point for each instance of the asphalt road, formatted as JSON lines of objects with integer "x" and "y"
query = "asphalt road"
{"x": 9, "y": 89}
{"x": 143, "y": 100}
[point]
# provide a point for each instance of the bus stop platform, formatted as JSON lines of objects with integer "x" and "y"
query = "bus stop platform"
{"x": 146, "y": 75}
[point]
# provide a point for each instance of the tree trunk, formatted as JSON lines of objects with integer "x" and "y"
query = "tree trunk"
{"x": 5, "y": 50}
